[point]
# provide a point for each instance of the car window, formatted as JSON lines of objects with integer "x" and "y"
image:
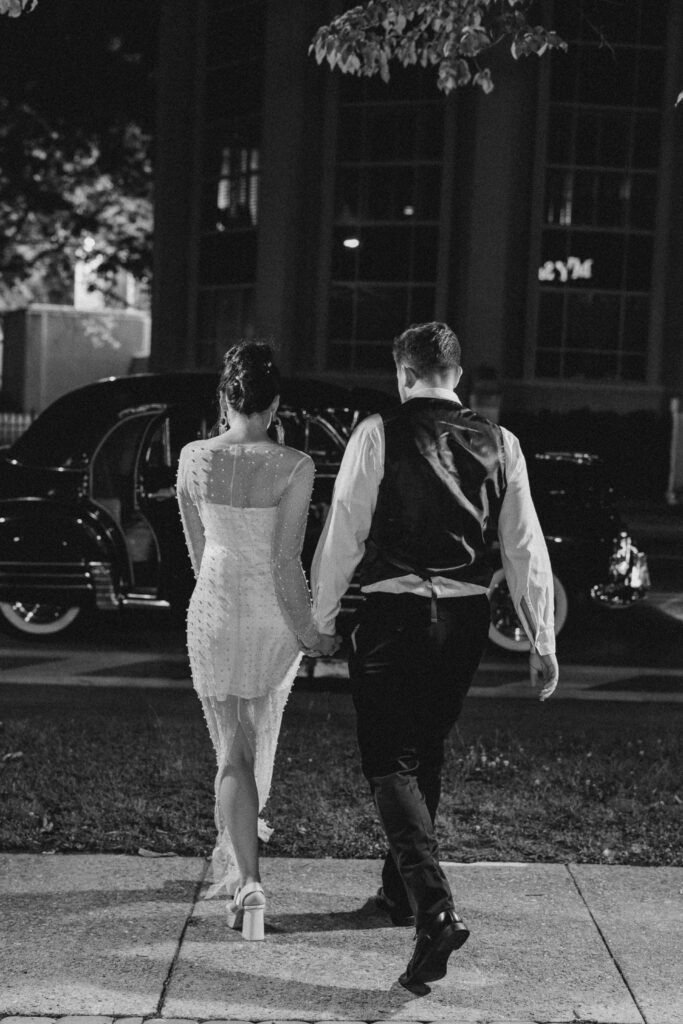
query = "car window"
{"x": 112, "y": 481}
{"x": 316, "y": 436}
{"x": 169, "y": 436}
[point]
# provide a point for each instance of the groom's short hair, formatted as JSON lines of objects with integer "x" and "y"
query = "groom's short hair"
{"x": 427, "y": 348}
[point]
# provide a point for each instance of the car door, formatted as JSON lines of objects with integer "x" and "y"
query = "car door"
{"x": 156, "y": 470}
{"x": 112, "y": 489}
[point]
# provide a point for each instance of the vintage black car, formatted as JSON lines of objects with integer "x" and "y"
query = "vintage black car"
{"x": 88, "y": 517}
{"x": 592, "y": 554}
{"x": 89, "y": 521}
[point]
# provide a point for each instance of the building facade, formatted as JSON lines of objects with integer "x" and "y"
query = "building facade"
{"x": 543, "y": 221}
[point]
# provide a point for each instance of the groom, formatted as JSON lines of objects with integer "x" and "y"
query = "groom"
{"x": 422, "y": 493}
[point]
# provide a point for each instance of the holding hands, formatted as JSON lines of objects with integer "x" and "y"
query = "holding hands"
{"x": 325, "y": 646}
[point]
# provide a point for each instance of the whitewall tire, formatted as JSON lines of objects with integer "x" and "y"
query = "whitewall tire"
{"x": 506, "y": 630}
{"x": 37, "y": 621}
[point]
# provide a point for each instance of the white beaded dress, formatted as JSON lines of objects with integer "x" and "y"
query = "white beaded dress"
{"x": 244, "y": 509}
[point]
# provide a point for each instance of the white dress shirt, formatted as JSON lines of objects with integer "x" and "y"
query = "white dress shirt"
{"x": 342, "y": 543}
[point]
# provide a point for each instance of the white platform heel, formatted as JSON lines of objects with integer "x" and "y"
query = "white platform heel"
{"x": 247, "y": 912}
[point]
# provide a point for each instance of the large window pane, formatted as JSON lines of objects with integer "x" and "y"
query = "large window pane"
{"x": 615, "y": 138}
{"x": 548, "y": 364}
{"x": 225, "y": 313}
{"x": 385, "y": 254}
{"x": 643, "y": 204}
{"x": 387, "y": 211}
{"x": 349, "y": 135}
{"x": 242, "y": 132}
{"x": 341, "y": 319}
{"x": 550, "y": 319}
{"x": 636, "y": 322}
{"x": 639, "y": 263}
{"x": 403, "y": 131}
{"x": 646, "y": 140}
{"x": 382, "y": 312}
{"x": 633, "y": 367}
{"x": 590, "y": 366}
{"x": 387, "y": 192}
{"x": 607, "y": 76}
{"x": 560, "y": 136}
{"x": 600, "y": 202}
{"x": 592, "y": 321}
{"x": 374, "y": 357}
{"x": 650, "y": 81}
{"x": 421, "y": 307}
{"x": 606, "y": 250}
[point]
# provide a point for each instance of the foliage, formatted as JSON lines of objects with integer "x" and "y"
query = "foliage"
{"x": 16, "y": 7}
{"x": 67, "y": 195}
{"x": 450, "y": 35}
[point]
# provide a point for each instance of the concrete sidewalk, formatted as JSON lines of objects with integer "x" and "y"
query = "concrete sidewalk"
{"x": 119, "y": 936}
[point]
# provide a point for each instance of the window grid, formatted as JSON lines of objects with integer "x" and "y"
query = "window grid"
{"x": 615, "y": 214}
{"x": 385, "y": 228}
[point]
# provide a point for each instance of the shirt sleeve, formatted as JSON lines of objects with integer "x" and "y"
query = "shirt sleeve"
{"x": 342, "y": 542}
{"x": 288, "y": 538}
{"x": 193, "y": 528}
{"x": 524, "y": 553}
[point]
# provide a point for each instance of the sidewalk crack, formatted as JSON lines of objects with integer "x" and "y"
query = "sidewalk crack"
{"x": 176, "y": 955}
{"x": 602, "y": 935}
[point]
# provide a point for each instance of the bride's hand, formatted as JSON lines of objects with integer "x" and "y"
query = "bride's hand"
{"x": 325, "y": 647}
{"x": 328, "y": 645}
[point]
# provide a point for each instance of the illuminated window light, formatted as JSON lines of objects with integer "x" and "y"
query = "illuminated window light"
{"x": 351, "y": 242}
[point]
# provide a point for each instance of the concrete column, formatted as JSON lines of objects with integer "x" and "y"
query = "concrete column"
{"x": 280, "y": 243}
{"x": 493, "y": 186}
{"x": 175, "y": 174}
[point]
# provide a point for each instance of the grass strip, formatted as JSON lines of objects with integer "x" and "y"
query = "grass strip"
{"x": 120, "y": 770}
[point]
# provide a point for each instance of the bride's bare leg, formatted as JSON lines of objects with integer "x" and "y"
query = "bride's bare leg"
{"x": 239, "y": 807}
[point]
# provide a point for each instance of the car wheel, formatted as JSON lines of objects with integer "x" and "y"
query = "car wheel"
{"x": 506, "y": 630}
{"x": 39, "y": 621}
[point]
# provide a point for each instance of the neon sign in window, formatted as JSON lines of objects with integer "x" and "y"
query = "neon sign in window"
{"x": 571, "y": 269}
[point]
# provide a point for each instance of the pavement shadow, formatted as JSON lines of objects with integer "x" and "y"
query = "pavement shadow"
{"x": 36, "y": 903}
{"x": 286, "y": 996}
{"x": 361, "y": 919}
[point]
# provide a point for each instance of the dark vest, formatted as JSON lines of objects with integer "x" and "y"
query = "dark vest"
{"x": 438, "y": 503}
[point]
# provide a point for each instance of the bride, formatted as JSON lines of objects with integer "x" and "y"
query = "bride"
{"x": 244, "y": 502}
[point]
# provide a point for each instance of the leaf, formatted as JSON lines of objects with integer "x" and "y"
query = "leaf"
{"x": 14, "y": 755}
{"x": 143, "y": 852}
{"x": 14, "y": 8}
{"x": 483, "y": 79}
{"x": 679, "y": 98}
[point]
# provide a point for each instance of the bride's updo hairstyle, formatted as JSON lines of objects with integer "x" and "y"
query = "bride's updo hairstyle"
{"x": 250, "y": 379}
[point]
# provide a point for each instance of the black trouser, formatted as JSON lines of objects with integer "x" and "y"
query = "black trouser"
{"x": 409, "y": 677}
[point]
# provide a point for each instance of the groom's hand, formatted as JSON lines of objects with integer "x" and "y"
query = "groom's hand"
{"x": 544, "y": 671}
{"x": 327, "y": 645}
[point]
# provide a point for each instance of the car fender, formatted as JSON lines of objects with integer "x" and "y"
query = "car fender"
{"x": 40, "y": 530}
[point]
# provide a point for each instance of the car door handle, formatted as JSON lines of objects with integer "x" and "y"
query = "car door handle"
{"x": 161, "y": 495}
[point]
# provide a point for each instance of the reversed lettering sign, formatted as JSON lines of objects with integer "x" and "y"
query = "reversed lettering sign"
{"x": 573, "y": 269}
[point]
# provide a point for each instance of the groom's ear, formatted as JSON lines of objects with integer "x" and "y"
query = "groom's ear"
{"x": 409, "y": 376}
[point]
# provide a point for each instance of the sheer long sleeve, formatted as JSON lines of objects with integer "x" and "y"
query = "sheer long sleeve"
{"x": 193, "y": 527}
{"x": 288, "y": 537}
